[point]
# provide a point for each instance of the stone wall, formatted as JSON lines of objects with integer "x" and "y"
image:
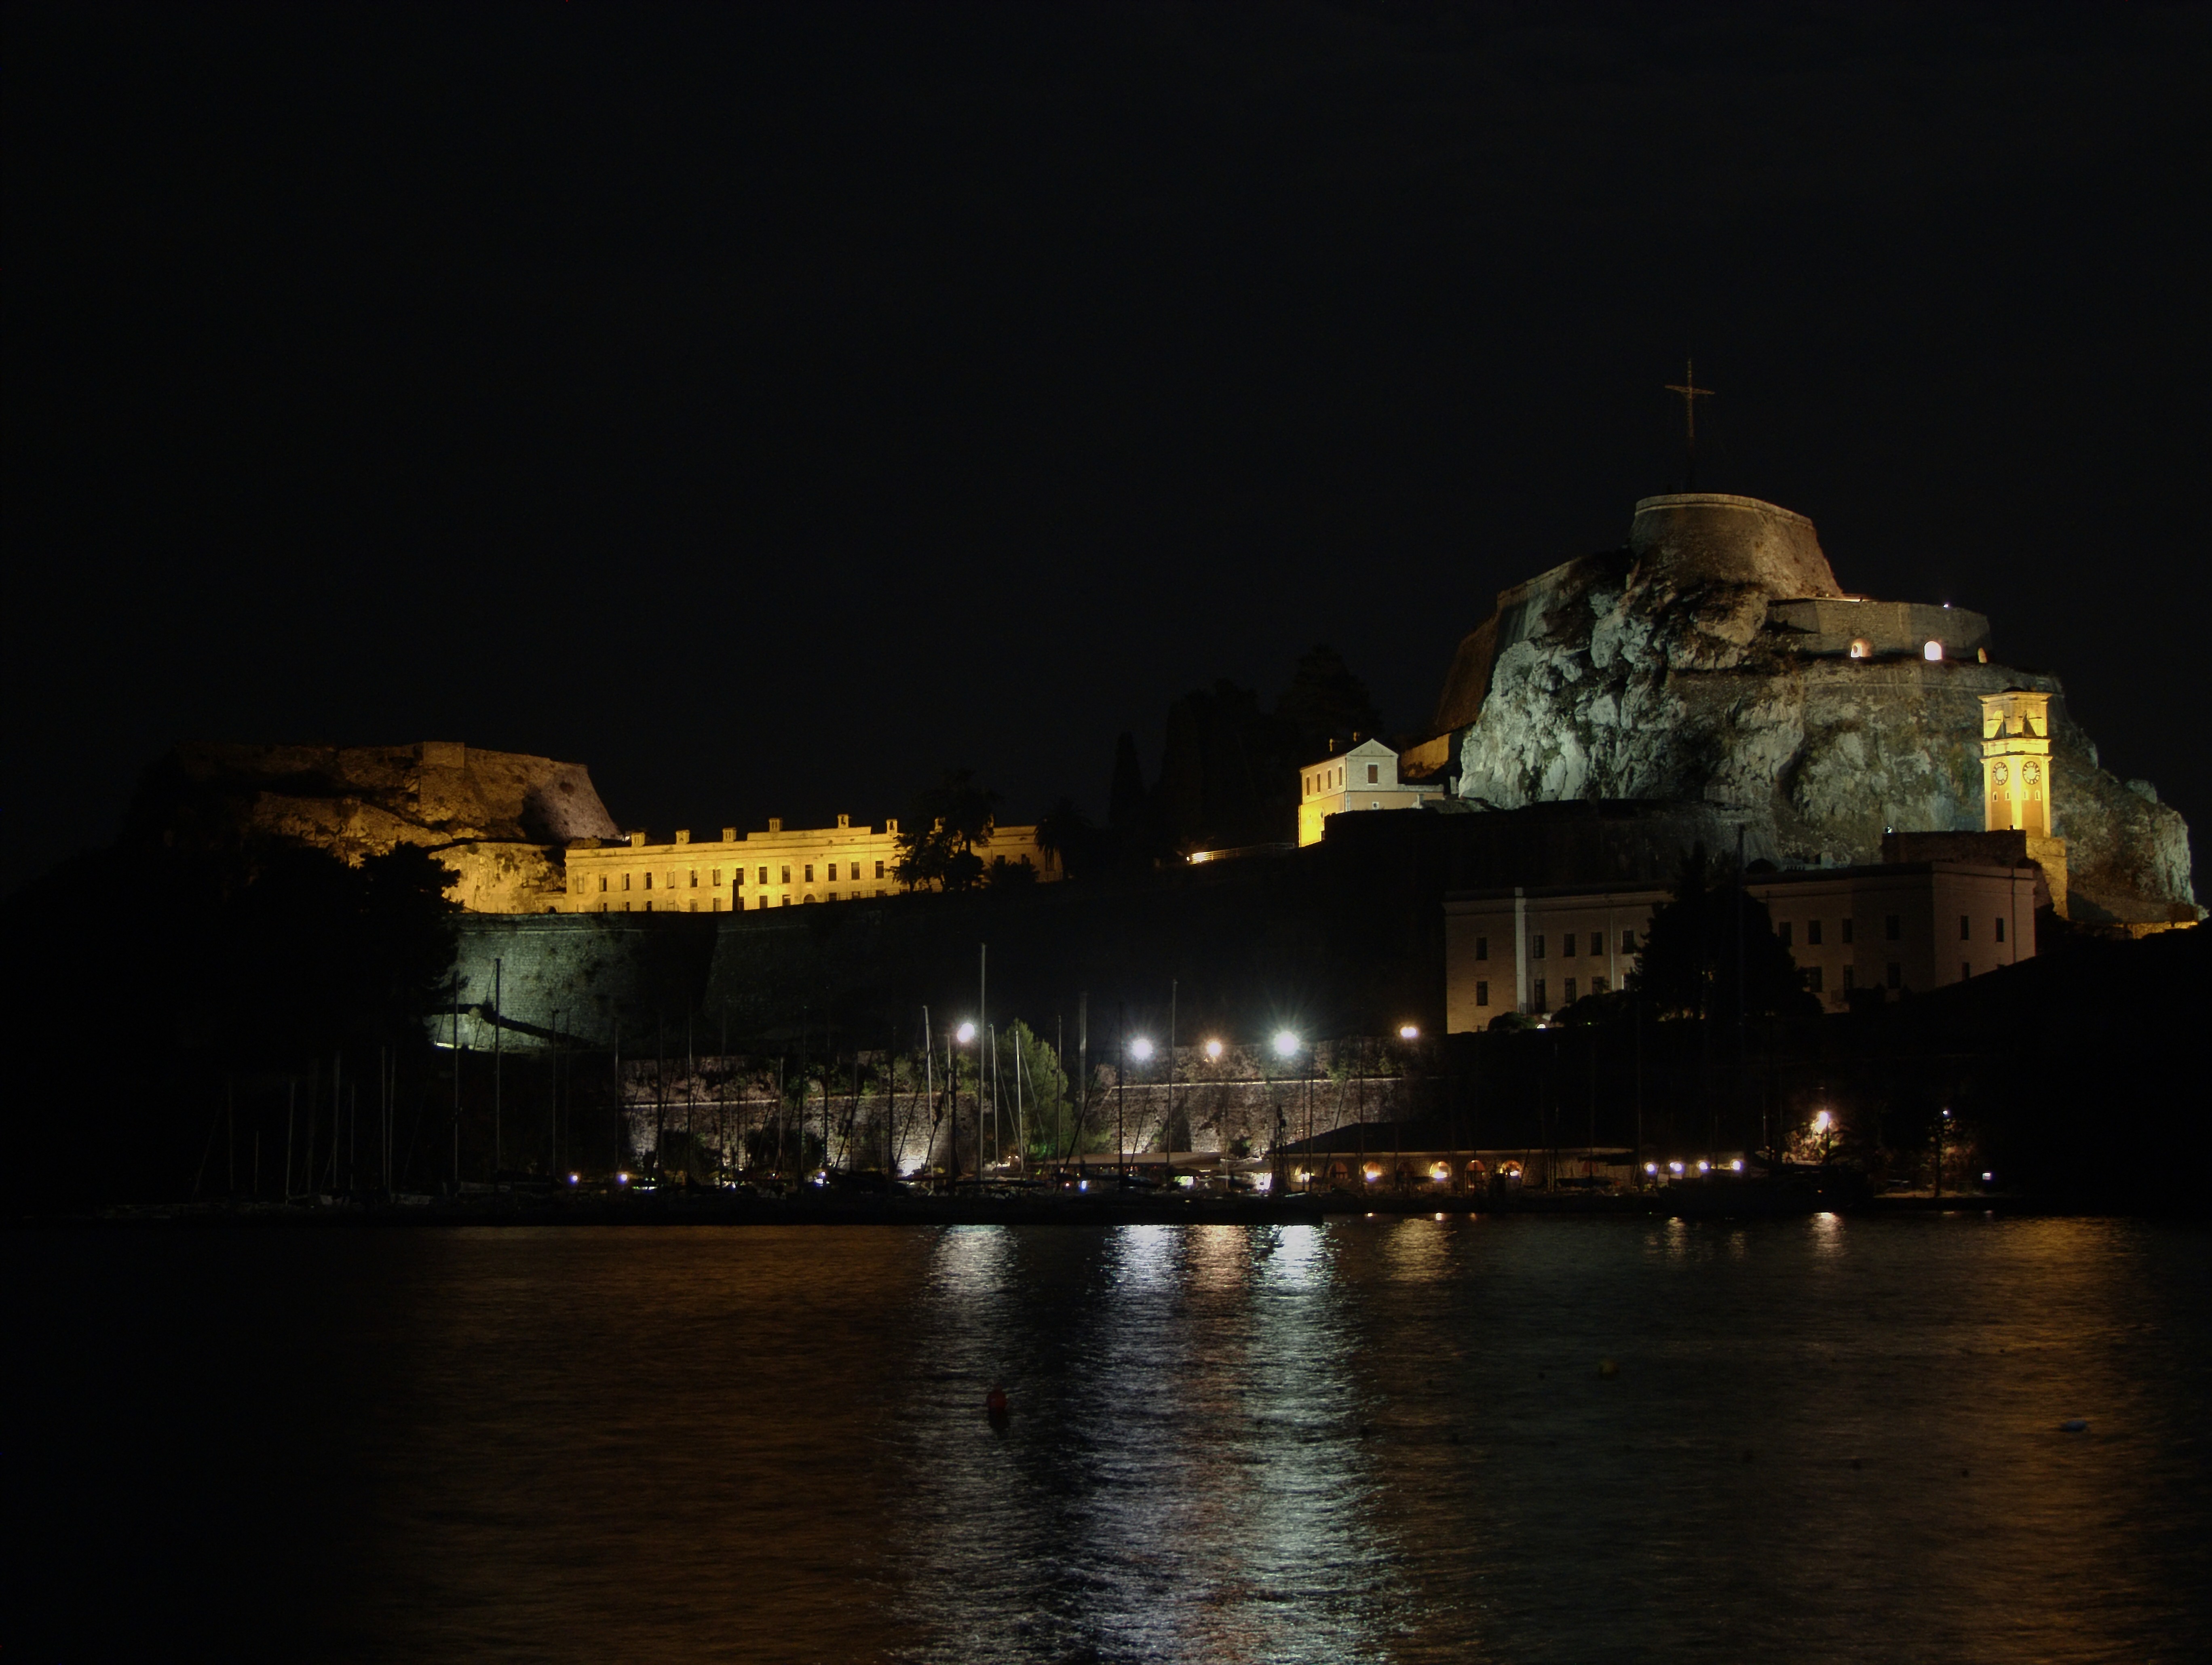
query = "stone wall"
{"x": 1219, "y": 1107}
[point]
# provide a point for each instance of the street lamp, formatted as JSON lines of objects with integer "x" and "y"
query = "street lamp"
{"x": 1142, "y": 1048}
{"x": 967, "y": 1033}
{"x": 1286, "y": 1048}
{"x": 1213, "y": 1049}
{"x": 1408, "y": 1031}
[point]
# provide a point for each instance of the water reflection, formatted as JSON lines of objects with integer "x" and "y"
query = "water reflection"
{"x": 1827, "y": 1439}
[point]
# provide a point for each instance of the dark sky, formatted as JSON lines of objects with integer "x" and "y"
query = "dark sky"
{"x": 770, "y": 407}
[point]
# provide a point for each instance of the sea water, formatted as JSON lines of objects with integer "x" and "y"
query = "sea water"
{"x": 1833, "y": 1439}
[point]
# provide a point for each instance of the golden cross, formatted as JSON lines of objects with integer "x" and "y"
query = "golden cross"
{"x": 1690, "y": 393}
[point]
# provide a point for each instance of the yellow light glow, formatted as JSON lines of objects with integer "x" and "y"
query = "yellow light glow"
{"x": 1407, "y": 1031}
{"x": 1213, "y": 1049}
{"x": 1932, "y": 652}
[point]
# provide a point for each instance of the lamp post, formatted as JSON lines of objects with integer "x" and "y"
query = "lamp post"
{"x": 963, "y": 1035}
{"x": 1286, "y": 1044}
{"x": 1121, "y": 1094}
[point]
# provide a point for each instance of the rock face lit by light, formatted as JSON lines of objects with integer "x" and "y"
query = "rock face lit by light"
{"x": 1717, "y": 660}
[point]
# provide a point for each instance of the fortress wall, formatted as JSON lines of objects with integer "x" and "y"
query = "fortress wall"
{"x": 1691, "y": 538}
{"x": 1338, "y": 944}
{"x": 591, "y": 979}
{"x": 1829, "y": 627}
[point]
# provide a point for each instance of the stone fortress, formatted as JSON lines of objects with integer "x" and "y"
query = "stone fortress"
{"x": 1887, "y": 779}
{"x": 500, "y": 821}
{"x": 522, "y": 834}
{"x": 1715, "y": 661}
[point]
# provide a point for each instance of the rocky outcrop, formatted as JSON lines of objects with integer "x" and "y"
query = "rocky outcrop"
{"x": 500, "y": 819}
{"x": 1688, "y": 667}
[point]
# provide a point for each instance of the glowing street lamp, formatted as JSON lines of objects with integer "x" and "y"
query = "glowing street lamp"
{"x": 1141, "y": 1047}
{"x": 1408, "y": 1031}
{"x": 1213, "y": 1049}
{"x": 1286, "y": 1044}
{"x": 967, "y": 1033}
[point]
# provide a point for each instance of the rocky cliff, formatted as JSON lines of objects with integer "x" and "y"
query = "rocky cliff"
{"x": 499, "y": 818}
{"x": 1692, "y": 666}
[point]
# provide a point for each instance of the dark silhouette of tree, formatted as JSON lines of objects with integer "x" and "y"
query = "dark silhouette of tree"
{"x": 940, "y": 834}
{"x": 1688, "y": 967}
{"x": 1070, "y": 836}
{"x": 1228, "y": 773}
{"x": 1325, "y": 703}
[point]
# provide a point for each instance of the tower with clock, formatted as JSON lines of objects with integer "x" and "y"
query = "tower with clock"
{"x": 2016, "y": 763}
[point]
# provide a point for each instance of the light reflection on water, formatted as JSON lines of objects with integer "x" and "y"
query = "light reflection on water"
{"x": 1833, "y": 1439}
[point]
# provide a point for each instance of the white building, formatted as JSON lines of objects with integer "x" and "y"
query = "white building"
{"x": 1364, "y": 778}
{"x": 1914, "y": 925}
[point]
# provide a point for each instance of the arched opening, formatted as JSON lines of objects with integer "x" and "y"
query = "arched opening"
{"x": 1932, "y": 651}
{"x": 1861, "y": 648}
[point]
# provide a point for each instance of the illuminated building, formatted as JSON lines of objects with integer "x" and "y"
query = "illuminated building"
{"x": 1364, "y": 778}
{"x": 1916, "y": 925}
{"x": 2016, "y": 778}
{"x": 780, "y": 868}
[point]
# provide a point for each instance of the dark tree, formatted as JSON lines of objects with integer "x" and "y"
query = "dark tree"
{"x": 941, "y": 832}
{"x": 1325, "y": 704}
{"x": 1228, "y": 772}
{"x": 1688, "y": 967}
{"x": 1066, "y": 833}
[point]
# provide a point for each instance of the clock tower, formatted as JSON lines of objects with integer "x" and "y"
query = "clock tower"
{"x": 2016, "y": 780}
{"x": 2016, "y": 763}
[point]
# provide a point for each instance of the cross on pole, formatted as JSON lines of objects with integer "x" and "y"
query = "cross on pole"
{"x": 1690, "y": 393}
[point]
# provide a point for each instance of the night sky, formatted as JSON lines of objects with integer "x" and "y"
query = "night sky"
{"x": 771, "y": 407}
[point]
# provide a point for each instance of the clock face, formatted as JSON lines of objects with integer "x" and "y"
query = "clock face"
{"x": 2030, "y": 773}
{"x": 2001, "y": 774}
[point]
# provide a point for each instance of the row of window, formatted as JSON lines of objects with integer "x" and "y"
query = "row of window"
{"x": 1570, "y": 991}
{"x": 1334, "y": 778}
{"x": 1567, "y": 945}
{"x": 1787, "y": 930}
{"x": 738, "y": 877}
{"x": 1892, "y": 929}
{"x": 1893, "y": 977}
{"x": 736, "y": 903}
